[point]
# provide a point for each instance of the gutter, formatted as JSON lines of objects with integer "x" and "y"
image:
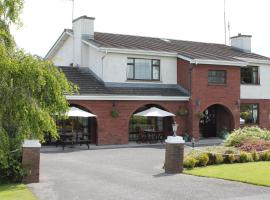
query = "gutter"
{"x": 126, "y": 98}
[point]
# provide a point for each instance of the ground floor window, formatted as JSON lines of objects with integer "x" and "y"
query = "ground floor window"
{"x": 249, "y": 112}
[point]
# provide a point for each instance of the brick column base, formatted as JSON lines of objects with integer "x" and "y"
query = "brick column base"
{"x": 31, "y": 160}
{"x": 174, "y": 157}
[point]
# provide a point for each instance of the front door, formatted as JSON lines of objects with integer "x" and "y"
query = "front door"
{"x": 208, "y": 127}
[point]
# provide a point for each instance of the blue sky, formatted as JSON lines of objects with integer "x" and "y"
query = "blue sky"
{"x": 196, "y": 20}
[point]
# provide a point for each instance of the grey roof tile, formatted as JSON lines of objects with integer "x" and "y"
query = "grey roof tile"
{"x": 89, "y": 84}
{"x": 193, "y": 50}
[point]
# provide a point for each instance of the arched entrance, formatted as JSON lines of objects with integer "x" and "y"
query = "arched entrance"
{"x": 216, "y": 120}
{"x": 83, "y": 127}
{"x": 149, "y": 129}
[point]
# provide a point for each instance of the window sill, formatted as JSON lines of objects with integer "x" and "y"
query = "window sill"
{"x": 217, "y": 84}
{"x": 148, "y": 81}
{"x": 251, "y": 84}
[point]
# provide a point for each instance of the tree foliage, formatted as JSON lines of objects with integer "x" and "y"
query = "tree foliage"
{"x": 31, "y": 95}
{"x": 9, "y": 14}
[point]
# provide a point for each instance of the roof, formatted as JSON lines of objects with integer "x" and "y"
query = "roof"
{"x": 192, "y": 50}
{"x": 89, "y": 84}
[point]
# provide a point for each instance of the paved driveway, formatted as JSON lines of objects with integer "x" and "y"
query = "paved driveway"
{"x": 128, "y": 173}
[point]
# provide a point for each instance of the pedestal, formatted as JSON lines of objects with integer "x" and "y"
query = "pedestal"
{"x": 31, "y": 160}
{"x": 174, "y": 155}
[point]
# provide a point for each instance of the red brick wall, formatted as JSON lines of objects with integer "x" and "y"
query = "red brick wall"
{"x": 264, "y": 106}
{"x": 183, "y": 74}
{"x": 204, "y": 95}
{"x": 115, "y": 130}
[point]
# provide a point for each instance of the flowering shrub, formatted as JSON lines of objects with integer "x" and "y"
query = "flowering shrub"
{"x": 239, "y": 136}
{"x": 255, "y": 145}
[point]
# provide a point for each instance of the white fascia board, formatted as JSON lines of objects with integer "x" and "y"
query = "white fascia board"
{"x": 254, "y": 61}
{"x": 131, "y": 51}
{"x": 139, "y": 52}
{"x": 126, "y": 98}
{"x": 91, "y": 45}
{"x": 185, "y": 58}
{"x": 219, "y": 62}
{"x": 213, "y": 62}
{"x": 63, "y": 37}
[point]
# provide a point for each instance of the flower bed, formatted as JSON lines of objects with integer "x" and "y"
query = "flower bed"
{"x": 248, "y": 144}
{"x": 204, "y": 157}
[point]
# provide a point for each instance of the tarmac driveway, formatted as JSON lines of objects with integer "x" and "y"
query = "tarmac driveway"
{"x": 128, "y": 173}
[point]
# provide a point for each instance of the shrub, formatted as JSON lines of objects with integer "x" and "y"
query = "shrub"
{"x": 245, "y": 157}
{"x": 265, "y": 156}
{"x": 230, "y": 158}
{"x": 203, "y": 159}
{"x": 251, "y": 145}
{"x": 255, "y": 156}
{"x": 11, "y": 169}
{"x": 189, "y": 162}
{"x": 218, "y": 159}
{"x": 237, "y": 137}
{"x": 212, "y": 158}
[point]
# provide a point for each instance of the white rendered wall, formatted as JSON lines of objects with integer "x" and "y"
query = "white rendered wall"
{"x": 242, "y": 42}
{"x": 64, "y": 55}
{"x": 115, "y": 68}
{"x": 261, "y": 91}
{"x": 94, "y": 60}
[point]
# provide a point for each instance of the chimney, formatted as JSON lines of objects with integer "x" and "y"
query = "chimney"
{"x": 83, "y": 28}
{"x": 241, "y": 42}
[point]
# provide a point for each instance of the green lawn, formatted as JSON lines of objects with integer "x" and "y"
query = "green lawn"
{"x": 257, "y": 173}
{"x": 15, "y": 192}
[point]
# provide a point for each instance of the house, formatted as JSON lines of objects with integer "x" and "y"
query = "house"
{"x": 209, "y": 86}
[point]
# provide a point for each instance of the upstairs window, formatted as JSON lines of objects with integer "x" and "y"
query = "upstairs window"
{"x": 249, "y": 112}
{"x": 143, "y": 69}
{"x": 217, "y": 76}
{"x": 250, "y": 75}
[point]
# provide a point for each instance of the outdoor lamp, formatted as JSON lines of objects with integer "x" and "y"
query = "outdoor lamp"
{"x": 174, "y": 127}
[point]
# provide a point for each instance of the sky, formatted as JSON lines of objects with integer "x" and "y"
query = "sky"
{"x": 195, "y": 20}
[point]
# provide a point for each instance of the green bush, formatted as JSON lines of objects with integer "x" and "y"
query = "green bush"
{"x": 218, "y": 159}
{"x": 189, "y": 162}
{"x": 230, "y": 158}
{"x": 237, "y": 137}
{"x": 211, "y": 157}
{"x": 265, "y": 156}
{"x": 245, "y": 157}
{"x": 255, "y": 156}
{"x": 202, "y": 159}
{"x": 11, "y": 169}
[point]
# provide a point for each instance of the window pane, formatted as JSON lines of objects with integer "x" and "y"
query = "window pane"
{"x": 130, "y": 61}
{"x": 249, "y": 112}
{"x": 155, "y": 62}
{"x": 249, "y": 75}
{"x": 143, "y": 69}
{"x": 217, "y": 76}
{"x": 130, "y": 74}
{"x": 156, "y": 73}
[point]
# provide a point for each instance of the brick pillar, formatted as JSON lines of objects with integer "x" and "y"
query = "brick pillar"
{"x": 174, "y": 155}
{"x": 31, "y": 160}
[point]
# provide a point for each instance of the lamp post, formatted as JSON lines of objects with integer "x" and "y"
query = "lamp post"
{"x": 174, "y": 127}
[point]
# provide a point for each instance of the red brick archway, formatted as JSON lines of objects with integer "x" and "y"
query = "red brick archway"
{"x": 165, "y": 124}
{"x": 92, "y": 123}
{"x": 216, "y": 119}
{"x": 115, "y": 130}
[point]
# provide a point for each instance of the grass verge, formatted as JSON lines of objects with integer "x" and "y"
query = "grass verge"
{"x": 257, "y": 173}
{"x": 15, "y": 192}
